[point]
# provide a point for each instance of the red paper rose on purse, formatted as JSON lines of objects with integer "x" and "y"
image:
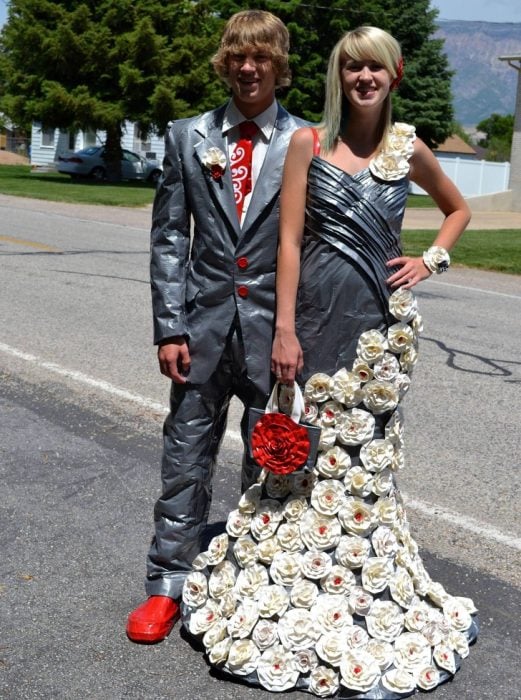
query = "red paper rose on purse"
{"x": 279, "y": 444}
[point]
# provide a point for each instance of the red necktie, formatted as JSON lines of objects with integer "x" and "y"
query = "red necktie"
{"x": 241, "y": 164}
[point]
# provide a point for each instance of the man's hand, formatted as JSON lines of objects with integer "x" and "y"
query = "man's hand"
{"x": 174, "y": 359}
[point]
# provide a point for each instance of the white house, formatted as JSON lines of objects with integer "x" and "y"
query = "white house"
{"x": 48, "y": 144}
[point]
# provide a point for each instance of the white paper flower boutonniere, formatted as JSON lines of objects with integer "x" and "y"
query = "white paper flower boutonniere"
{"x": 215, "y": 160}
{"x": 392, "y": 163}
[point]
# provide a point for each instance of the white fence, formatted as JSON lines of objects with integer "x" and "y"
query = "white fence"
{"x": 473, "y": 177}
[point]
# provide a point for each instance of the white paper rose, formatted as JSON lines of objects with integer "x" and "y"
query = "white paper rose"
{"x": 272, "y": 600}
{"x": 215, "y": 634}
{"x": 315, "y": 564}
{"x": 304, "y": 593}
{"x": 385, "y": 620}
{"x": 380, "y": 396}
{"x": 412, "y": 652}
{"x": 385, "y": 511}
{"x": 305, "y": 660}
{"x": 383, "y": 483}
{"x": 218, "y": 654}
{"x": 346, "y": 388}
{"x": 428, "y": 678}
{"x": 288, "y": 536}
{"x": 331, "y": 647}
{"x": 302, "y": 483}
{"x": 250, "y": 499}
{"x": 376, "y": 574}
{"x": 356, "y": 637}
{"x": 243, "y": 619}
{"x": 398, "y": 681}
{"x": 323, "y": 682}
{"x": 360, "y": 601}
{"x": 327, "y": 497}
{"x": 195, "y": 589}
{"x": 330, "y": 613}
{"x": 265, "y": 634}
{"x": 245, "y": 551}
{"x": 238, "y": 523}
{"x": 339, "y": 580}
{"x": 362, "y": 370}
{"x": 389, "y": 166}
{"x": 352, "y": 551}
{"x": 311, "y": 412}
{"x": 394, "y": 429}
{"x": 457, "y": 614}
{"x": 438, "y": 594}
{"x": 277, "y": 485}
{"x": 400, "y": 337}
{"x": 333, "y": 463}
{"x": 285, "y": 568}
{"x": 417, "y": 616}
{"x": 227, "y": 604}
{"x": 398, "y": 460}
{"x": 200, "y": 562}
{"x": 319, "y": 531}
{"x": 409, "y": 359}
{"x": 266, "y": 519}
{"x": 250, "y": 579}
{"x": 294, "y": 508}
{"x": 403, "y": 304}
{"x": 402, "y": 589}
{"x": 359, "y": 671}
{"x": 355, "y": 427}
{"x": 384, "y": 542}
{"x": 359, "y": 482}
{"x": 371, "y": 346}
{"x": 318, "y": 388}
{"x": 357, "y": 516}
{"x": 435, "y": 633}
{"x": 217, "y": 549}
{"x": 458, "y": 642}
{"x": 266, "y": 549}
{"x": 377, "y": 454}
{"x": 242, "y": 657}
{"x": 402, "y": 383}
{"x": 444, "y": 657}
{"x": 327, "y": 439}
{"x": 383, "y": 652}
{"x": 204, "y": 618}
{"x": 329, "y": 414}
{"x": 276, "y": 669}
{"x": 387, "y": 368}
{"x": 297, "y": 630}
{"x": 222, "y": 579}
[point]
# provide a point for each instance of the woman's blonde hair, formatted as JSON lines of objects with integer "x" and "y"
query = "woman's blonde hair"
{"x": 255, "y": 30}
{"x": 362, "y": 44}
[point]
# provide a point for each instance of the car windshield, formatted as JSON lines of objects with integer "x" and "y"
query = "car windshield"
{"x": 90, "y": 151}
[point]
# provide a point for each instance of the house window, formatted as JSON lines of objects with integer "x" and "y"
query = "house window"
{"x": 140, "y": 145}
{"x": 48, "y": 137}
{"x": 89, "y": 138}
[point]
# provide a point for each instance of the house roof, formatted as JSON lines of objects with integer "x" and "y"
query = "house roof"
{"x": 455, "y": 144}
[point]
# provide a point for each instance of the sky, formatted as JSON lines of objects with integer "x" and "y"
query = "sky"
{"x": 475, "y": 10}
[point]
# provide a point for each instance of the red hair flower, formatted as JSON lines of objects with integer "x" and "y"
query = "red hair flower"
{"x": 399, "y": 74}
{"x": 279, "y": 444}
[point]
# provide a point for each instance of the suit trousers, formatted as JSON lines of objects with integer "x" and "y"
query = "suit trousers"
{"x": 192, "y": 434}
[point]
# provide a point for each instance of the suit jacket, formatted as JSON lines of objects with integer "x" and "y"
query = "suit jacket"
{"x": 202, "y": 279}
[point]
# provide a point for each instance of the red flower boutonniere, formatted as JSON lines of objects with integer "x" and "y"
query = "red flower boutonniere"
{"x": 279, "y": 444}
{"x": 399, "y": 74}
{"x": 215, "y": 160}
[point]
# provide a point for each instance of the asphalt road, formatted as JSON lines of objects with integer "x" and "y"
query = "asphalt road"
{"x": 81, "y": 406}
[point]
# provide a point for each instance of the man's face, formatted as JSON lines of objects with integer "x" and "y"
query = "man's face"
{"x": 252, "y": 79}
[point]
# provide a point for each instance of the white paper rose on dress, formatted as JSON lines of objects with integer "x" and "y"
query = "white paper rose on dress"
{"x": 383, "y": 483}
{"x": 327, "y": 497}
{"x": 277, "y": 485}
{"x": 352, "y": 551}
{"x": 330, "y": 613}
{"x": 200, "y": 562}
{"x": 377, "y": 454}
{"x": 204, "y": 618}
{"x": 296, "y": 630}
{"x": 250, "y": 499}
{"x": 458, "y": 642}
{"x": 398, "y": 461}
{"x": 384, "y": 542}
{"x": 250, "y": 579}
{"x": 444, "y": 657}
{"x": 285, "y": 568}
{"x": 457, "y": 614}
{"x": 304, "y": 593}
{"x": 245, "y": 551}
{"x": 273, "y": 600}
{"x": 398, "y": 681}
{"x": 438, "y": 594}
{"x": 400, "y": 337}
{"x": 355, "y": 427}
{"x": 215, "y": 634}
{"x": 318, "y": 388}
{"x": 276, "y": 669}
{"x": 238, "y": 523}
{"x": 362, "y": 370}
{"x": 227, "y": 604}
{"x": 315, "y": 564}
{"x": 302, "y": 483}
{"x": 387, "y": 369}
{"x": 339, "y": 580}
{"x": 323, "y": 682}
{"x": 329, "y": 414}
{"x": 402, "y": 589}
{"x": 359, "y": 601}
{"x": 356, "y": 637}
{"x": 435, "y": 633}
{"x": 243, "y": 657}
{"x": 327, "y": 438}
{"x": 380, "y": 396}
{"x": 417, "y": 616}
{"x": 357, "y": 516}
{"x": 265, "y": 634}
{"x": 394, "y": 429}
{"x": 402, "y": 383}
{"x": 217, "y": 549}
{"x": 371, "y": 346}
{"x": 266, "y": 519}
{"x": 428, "y": 678}
{"x": 294, "y": 508}
{"x": 403, "y": 304}
{"x": 359, "y": 671}
{"x": 386, "y": 511}
{"x": 195, "y": 589}
{"x": 218, "y": 654}
{"x": 408, "y": 359}
{"x": 319, "y": 531}
{"x": 311, "y": 412}
{"x": 266, "y": 549}
{"x": 383, "y": 652}
{"x": 333, "y": 463}
{"x": 222, "y": 579}
{"x": 346, "y": 388}
{"x": 243, "y": 619}
{"x": 412, "y": 652}
{"x": 376, "y": 574}
{"x": 331, "y": 647}
{"x": 305, "y": 660}
{"x": 359, "y": 482}
{"x": 288, "y": 536}
{"x": 385, "y": 620}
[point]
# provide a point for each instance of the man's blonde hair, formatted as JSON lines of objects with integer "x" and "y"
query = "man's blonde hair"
{"x": 255, "y": 30}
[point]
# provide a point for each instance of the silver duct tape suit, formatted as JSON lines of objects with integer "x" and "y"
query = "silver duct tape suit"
{"x": 216, "y": 288}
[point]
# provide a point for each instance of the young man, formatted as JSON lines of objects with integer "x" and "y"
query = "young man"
{"x": 213, "y": 291}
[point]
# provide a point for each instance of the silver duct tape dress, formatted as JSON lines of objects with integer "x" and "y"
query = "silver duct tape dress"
{"x": 317, "y": 583}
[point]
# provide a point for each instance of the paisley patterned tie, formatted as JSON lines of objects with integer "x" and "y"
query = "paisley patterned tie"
{"x": 241, "y": 161}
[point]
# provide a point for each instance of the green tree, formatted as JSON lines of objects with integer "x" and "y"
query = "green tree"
{"x": 86, "y": 64}
{"x": 498, "y": 130}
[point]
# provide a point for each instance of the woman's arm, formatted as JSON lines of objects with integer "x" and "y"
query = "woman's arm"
{"x": 287, "y": 359}
{"x": 427, "y": 173}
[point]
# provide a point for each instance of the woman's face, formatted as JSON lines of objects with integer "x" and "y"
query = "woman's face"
{"x": 366, "y": 83}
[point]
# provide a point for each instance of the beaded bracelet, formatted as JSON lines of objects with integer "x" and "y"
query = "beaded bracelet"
{"x": 436, "y": 259}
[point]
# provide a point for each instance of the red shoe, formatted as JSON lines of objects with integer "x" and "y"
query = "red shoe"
{"x": 153, "y": 620}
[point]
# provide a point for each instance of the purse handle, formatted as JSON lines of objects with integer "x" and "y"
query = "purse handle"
{"x": 297, "y": 405}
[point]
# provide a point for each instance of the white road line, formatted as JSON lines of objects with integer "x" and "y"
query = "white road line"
{"x": 475, "y": 289}
{"x": 483, "y": 530}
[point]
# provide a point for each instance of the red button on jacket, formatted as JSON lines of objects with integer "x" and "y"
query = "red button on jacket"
{"x": 243, "y": 291}
{"x": 242, "y": 263}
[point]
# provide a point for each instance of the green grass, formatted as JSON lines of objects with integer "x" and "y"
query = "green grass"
{"x": 498, "y": 250}
{"x": 420, "y": 201}
{"x": 20, "y": 181}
